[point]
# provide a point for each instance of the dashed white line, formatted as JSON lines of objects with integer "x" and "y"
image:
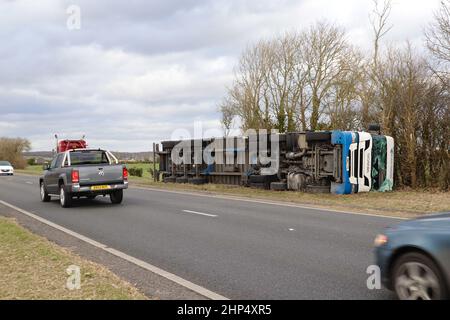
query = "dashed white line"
{"x": 200, "y": 213}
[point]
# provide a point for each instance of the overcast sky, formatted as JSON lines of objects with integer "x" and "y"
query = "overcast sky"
{"x": 137, "y": 70}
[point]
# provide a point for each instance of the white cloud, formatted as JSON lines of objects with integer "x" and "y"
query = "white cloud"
{"x": 137, "y": 70}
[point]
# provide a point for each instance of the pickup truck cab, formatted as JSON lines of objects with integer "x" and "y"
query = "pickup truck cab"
{"x": 86, "y": 173}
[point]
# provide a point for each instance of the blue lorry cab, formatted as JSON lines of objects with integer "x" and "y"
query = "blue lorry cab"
{"x": 345, "y": 139}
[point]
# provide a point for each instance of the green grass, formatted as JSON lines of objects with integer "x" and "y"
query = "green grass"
{"x": 33, "y": 268}
{"x": 144, "y": 166}
{"x": 34, "y": 170}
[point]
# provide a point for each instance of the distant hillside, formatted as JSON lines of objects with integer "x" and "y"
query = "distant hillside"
{"x": 134, "y": 156}
{"x": 38, "y": 154}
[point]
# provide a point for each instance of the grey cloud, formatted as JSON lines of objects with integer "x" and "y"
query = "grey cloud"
{"x": 137, "y": 69}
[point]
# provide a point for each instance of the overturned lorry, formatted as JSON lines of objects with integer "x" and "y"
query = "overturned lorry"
{"x": 340, "y": 162}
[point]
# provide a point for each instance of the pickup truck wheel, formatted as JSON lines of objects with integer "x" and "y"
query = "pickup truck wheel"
{"x": 65, "y": 198}
{"x": 44, "y": 195}
{"x": 116, "y": 197}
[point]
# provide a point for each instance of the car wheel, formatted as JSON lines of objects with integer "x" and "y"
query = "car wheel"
{"x": 416, "y": 277}
{"x": 44, "y": 195}
{"x": 116, "y": 197}
{"x": 65, "y": 198}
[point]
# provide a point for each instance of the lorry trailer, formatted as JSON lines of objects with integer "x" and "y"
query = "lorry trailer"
{"x": 340, "y": 162}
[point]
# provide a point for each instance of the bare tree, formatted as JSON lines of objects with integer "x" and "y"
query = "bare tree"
{"x": 379, "y": 21}
{"x": 11, "y": 149}
{"x": 438, "y": 33}
{"x": 315, "y": 79}
{"x": 325, "y": 49}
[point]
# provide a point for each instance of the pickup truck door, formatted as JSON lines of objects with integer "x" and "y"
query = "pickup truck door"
{"x": 52, "y": 174}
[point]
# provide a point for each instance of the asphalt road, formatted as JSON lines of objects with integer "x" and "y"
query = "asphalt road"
{"x": 239, "y": 249}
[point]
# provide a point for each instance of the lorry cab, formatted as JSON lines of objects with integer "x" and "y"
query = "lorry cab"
{"x": 357, "y": 162}
{"x": 364, "y": 162}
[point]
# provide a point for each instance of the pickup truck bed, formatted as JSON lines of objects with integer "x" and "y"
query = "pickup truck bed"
{"x": 83, "y": 173}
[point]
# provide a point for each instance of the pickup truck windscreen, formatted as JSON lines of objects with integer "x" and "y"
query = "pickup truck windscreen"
{"x": 91, "y": 157}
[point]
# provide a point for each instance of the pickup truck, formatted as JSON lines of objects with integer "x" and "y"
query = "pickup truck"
{"x": 86, "y": 173}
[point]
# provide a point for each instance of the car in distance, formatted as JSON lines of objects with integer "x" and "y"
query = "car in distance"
{"x": 6, "y": 169}
{"x": 83, "y": 173}
{"x": 414, "y": 258}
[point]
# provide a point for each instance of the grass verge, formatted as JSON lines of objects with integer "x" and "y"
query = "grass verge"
{"x": 34, "y": 268}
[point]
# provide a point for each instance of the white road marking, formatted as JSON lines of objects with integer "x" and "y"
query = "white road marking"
{"x": 200, "y": 213}
{"x": 274, "y": 203}
{"x": 28, "y": 182}
{"x": 291, "y": 229}
{"x": 170, "y": 276}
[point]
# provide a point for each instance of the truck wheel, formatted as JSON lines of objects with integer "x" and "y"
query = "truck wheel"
{"x": 116, "y": 197}
{"x": 318, "y": 136}
{"x": 181, "y": 180}
{"x": 169, "y": 179}
{"x": 65, "y": 198}
{"x": 44, "y": 195}
{"x": 198, "y": 181}
{"x": 278, "y": 186}
{"x": 317, "y": 189}
{"x": 262, "y": 178}
{"x": 259, "y": 185}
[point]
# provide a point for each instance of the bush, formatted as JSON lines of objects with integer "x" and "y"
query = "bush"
{"x": 136, "y": 172}
{"x": 31, "y": 161}
{"x": 11, "y": 150}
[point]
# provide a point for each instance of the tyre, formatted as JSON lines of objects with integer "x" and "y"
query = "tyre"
{"x": 257, "y": 185}
{"x": 317, "y": 189}
{"x": 198, "y": 181}
{"x": 278, "y": 186}
{"x": 65, "y": 198}
{"x": 262, "y": 178}
{"x": 169, "y": 179}
{"x": 182, "y": 180}
{"x": 318, "y": 136}
{"x": 44, "y": 195}
{"x": 417, "y": 277}
{"x": 116, "y": 197}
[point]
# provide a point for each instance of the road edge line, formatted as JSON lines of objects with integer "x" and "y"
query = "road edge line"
{"x": 145, "y": 265}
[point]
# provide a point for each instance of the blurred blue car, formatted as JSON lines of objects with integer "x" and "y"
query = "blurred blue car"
{"x": 414, "y": 258}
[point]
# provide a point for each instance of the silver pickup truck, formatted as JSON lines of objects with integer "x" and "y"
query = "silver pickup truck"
{"x": 83, "y": 173}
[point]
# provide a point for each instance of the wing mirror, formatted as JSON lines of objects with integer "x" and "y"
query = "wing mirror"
{"x": 46, "y": 166}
